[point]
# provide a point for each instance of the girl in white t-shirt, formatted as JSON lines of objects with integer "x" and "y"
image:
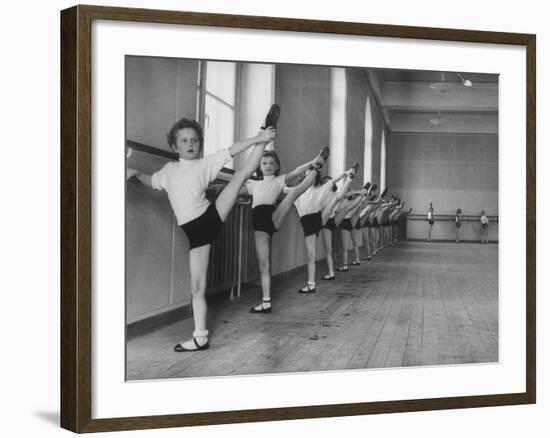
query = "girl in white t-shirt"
{"x": 458, "y": 223}
{"x": 484, "y": 220}
{"x": 328, "y": 213}
{"x": 430, "y": 217}
{"x": 315, "y": 208}
{"x": 267, "y": 217}
{"x": 186, "y": 181}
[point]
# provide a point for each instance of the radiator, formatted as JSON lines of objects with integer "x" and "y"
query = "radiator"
{"x": 224, "y": 255}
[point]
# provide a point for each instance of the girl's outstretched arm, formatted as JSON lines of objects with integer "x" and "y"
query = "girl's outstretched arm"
{"x": 298, "y": 171}
{"x": 144, "y": 178}
{"x": 338, "y": 178}
{"x": 264, "y": 136}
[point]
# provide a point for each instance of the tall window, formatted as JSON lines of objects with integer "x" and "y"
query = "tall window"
{"x": 367, "y": 165}
{"x": 216, "y": 88}
{"x": 338, "y": 93}
{"x": 256, "y": 94}
{"x": 383, "y": 162}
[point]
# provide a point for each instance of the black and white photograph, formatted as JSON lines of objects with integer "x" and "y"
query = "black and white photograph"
{"x": 289, "y": 218}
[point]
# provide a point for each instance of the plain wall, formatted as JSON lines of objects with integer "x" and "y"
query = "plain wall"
{"x": 159, "y": 91}
{"x": 449, "y": 170}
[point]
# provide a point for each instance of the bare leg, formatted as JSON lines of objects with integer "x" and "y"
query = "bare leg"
{"x": 430, "y": 232}
{"x": 327, "y": 239}
{"x": 366, "y": 243}
{"x": 345, "y": 247}
{"x": 356, "y": 240}
{"x": 282, "y": 210}
{"x": 228, "y": 196}
{"x": 327, "y": 211}
{"x": 341, "y": 214}
{"x": 263, "y": 250}
{"x": 310, "y": 248}
{"x": 198, "y": 266}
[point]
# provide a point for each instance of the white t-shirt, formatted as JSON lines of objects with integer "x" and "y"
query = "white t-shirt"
{"x": 312, "y": 200}
{"x": 186, "y": 181}
{"x": 484, "y": 219}
{"x": 267, "y": 190}
{"x": 366, "y": 210}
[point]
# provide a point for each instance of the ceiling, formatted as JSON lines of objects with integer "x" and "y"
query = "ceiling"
{"x": 434, "y": 101}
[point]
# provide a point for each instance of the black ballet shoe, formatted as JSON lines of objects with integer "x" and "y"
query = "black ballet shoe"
{"x": 179, "y": 348}
{"x": 272, "y": 116}
{"x": 367, "y": 186}
{"x": 328, "y": 277}
{"x": 355, "y": 167}
{"x": 384, "y": 192}
{"x": 308, "y": 290}
{"x": 262, "y": 310}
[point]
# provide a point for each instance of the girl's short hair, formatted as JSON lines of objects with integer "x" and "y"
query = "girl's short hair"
{"x": 458, "y": 211}
{"x": 269, "y": 154}
{"x": 182, "y": 124}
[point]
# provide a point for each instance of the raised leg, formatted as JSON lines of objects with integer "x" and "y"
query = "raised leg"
{"x": 282, "y": 210}
{"x": 228, "y": 196}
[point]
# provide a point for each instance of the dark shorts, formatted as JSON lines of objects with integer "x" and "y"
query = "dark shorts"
{"x": 458, "y": 224}
{"x": 203, "y": 230}
{"x": 485, "y": 225}
{"x": 358, "y": 225}
{"x": 330, "y": 225}
{"x": 262, "y": 218}
{"x": 311, "y": 223}
{"x": 346, "y": 224}
{"x": 375, "y": 222}
{"x": 431, "y": 221}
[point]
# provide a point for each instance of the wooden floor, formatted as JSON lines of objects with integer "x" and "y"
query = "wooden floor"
{"x": 414, "y": 304}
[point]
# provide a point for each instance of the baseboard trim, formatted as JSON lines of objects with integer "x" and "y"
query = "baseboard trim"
{"x": 155, "y": 322}
{"x": 448, "y": 241}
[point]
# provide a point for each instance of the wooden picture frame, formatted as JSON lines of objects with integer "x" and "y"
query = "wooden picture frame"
{"x": 76, "y": 218}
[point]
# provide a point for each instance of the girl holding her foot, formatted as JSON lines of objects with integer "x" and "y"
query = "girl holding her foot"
{"x": 267, "y": 217}
{"x": 328, "y": 213}
{"x": 186, "y": 181}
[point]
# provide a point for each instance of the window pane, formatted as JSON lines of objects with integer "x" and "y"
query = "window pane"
{"x": 218, "y": 126}
{"x": 367, "y": 168}
{"x": 220, "y": 80}
{"x": 383, "y": 163}
{"x": 337, "y": 121}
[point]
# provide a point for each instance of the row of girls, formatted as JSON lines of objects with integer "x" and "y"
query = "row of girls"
{"x": 323, "y": 206}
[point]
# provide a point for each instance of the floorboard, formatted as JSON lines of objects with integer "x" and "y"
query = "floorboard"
{"x": 414, "y": 304}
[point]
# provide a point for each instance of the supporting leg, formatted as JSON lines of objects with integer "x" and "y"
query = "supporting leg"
{"x": 327, "y": 239}
{"x": 198, "y": 266}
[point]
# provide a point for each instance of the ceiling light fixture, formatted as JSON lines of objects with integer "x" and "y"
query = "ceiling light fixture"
{"x": 436, "y": 121}
{"x": 465, "y": 82}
